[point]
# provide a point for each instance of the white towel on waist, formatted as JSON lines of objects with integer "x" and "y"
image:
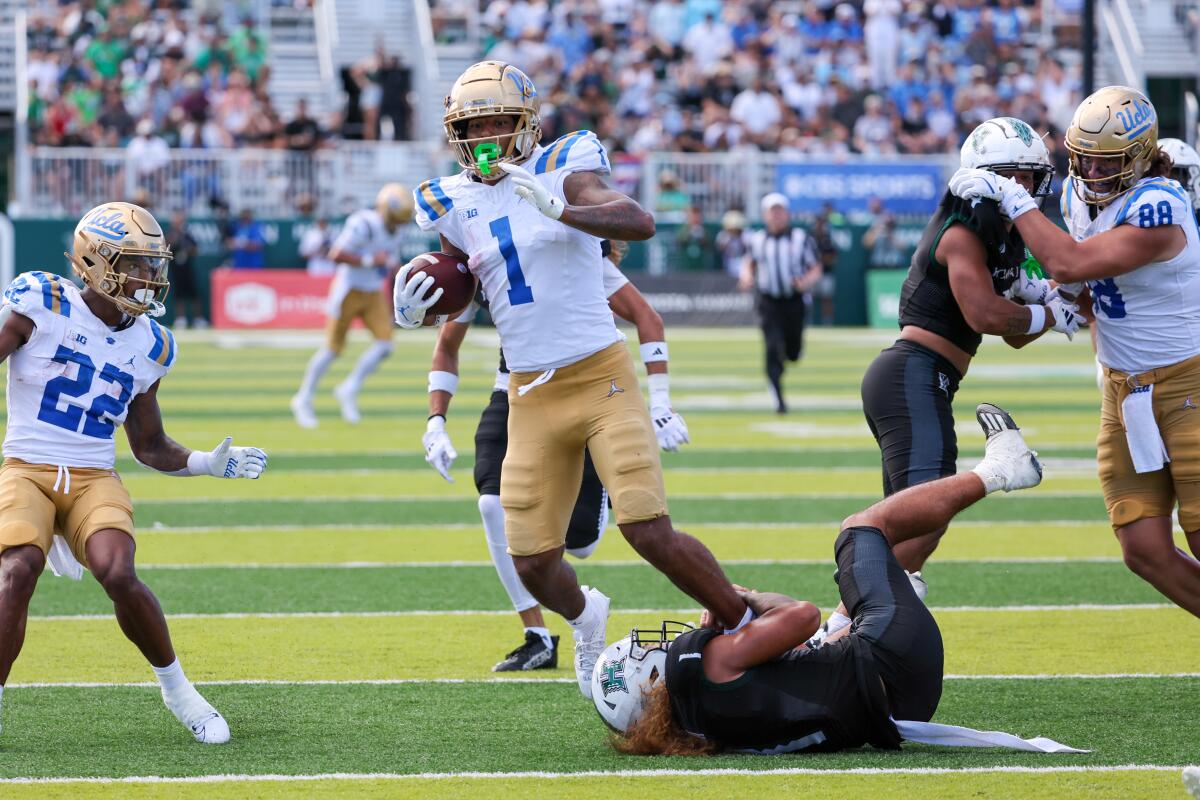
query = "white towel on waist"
{"x": 62, "y": 561}
{"x": 1141, "y": 431}
{"x": 956, "y": 736}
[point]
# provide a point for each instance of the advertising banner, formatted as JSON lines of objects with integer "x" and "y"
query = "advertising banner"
{"x": 904, "y": 188}
{"x": 274, "y": 298}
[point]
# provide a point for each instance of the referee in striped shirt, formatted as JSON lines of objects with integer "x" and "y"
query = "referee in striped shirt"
{"x": 782, "y": 266}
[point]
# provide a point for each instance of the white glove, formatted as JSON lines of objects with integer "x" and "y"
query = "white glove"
{"x": 227, "y": 461}
{"x": 529, "y": 188}
{"x": 439, "y": 452}
{"x": 408, "y": 295}
{"x": 1032, "y": 291}
{"x": 669, "y": 427}
{"x": 973, "y": 183}
{"x": 1065, "y": 315}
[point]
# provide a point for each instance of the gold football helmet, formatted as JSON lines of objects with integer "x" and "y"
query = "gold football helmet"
{"x": 1117, "y": 122}
{"x": 120, "y": 243}
{"x": 487, "y": 89}
{"x": 395, "y": 204}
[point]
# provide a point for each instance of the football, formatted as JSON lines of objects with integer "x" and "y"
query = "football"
{"x": 449, "y": 274}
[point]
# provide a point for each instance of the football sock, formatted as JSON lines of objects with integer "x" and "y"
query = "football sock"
{"x": 174, "y": 683}
{"x": 318, "y": 365}
{"x": 587, "y": 617}
{"x": 544, "y": 633}
{"x": 837, "y": 620}
{"x": 368, "y": 362}
{"x": 492, "y": 514}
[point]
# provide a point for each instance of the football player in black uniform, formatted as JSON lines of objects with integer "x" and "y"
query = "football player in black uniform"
{"x": 589, "y": 518}
{"x": 762, "y": 690}
{"x": 964, "y": 282}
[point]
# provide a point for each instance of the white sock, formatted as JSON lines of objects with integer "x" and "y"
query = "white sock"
{"x": 993, "y": 479}
{"x": 544, "y": 633}
{"x": 587, "y": 617}
{"x": 367, "y": 363}
{"x": 318, "y": 365}
{"x": 837, "y": 620}
{"x": 174, "y": 683}
{"x": 492, "y": 514}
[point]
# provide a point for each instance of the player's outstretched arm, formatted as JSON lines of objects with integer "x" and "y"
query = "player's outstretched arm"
{"x": 443, "y": 383}
{"x": 596, "y": 208}
{"x": 783, "y": 626}
{"x": 151, "y": 446}
{"x": 629, "y": 304}
{"x": 15, "y": 331}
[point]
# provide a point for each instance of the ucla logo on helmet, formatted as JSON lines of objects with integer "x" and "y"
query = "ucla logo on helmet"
{"x": 106, "y": 223}
{"x": 1136, "y": 118}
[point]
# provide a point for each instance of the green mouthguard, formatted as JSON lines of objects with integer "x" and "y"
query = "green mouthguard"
{"x": 486, "y": 154}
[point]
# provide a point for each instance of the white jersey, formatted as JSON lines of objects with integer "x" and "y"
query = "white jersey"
{"x": 364, "y": 234}
{"x": 544, "y": 280}
{"x": 1150, "y": 317}
{"x": 70, "y": 385}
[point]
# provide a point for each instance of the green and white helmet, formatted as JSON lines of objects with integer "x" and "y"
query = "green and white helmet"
{"x": 622, "y": 677}
{"x": 1185, "y": 167}
{"x": 1007, "y": 144}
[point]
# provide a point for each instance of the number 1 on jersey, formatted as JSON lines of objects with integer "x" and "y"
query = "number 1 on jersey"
{"x": 519, "y": 292}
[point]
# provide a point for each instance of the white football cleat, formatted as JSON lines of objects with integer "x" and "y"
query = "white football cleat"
{"x": 918, "y": 583}
{"x": 199, "y": 717}
{"x": 1008, "y": 463}
{"x": 302, "y": 411}
{"x": 347, "y": 397}
{"x": 1191, "y": 781}
{"x": 589, "y": 642}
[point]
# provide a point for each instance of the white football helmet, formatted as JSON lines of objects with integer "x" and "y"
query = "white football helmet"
{"x": 623, "y": 675}
{"x": 1006, "y": 144}
{"x": 1185, "y": 166}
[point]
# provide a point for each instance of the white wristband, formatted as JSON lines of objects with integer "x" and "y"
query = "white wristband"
{"x": 654, "y": 351}
{"x": 746, "y": 618}
{"x": 660, "y": 389}
{"x": 440, "y": 381}
{"x": 1037, "y": 319}
{"x": 197, "y": 464}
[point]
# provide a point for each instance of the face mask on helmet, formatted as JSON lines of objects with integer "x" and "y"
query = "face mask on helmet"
{"x": 628, "y": 669}
{"x": 143, "y": 280}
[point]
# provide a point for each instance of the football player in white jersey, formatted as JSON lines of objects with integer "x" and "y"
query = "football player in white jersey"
{"x": 590, "y": 515}
{"x": 367, "y": 247}
{"x": 529, "y": 218}
{"x": 1135, "y": 242}
{"x": 80, "y": 364}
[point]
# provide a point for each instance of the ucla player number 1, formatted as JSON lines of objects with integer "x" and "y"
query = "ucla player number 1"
{"x": 519, "y": 292}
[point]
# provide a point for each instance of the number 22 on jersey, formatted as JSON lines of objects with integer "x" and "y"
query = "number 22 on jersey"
{"x": 519, "y": 292}
{"x": 95, "y": 424}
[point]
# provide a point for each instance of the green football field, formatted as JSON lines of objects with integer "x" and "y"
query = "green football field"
{"x": 343, "y": 614}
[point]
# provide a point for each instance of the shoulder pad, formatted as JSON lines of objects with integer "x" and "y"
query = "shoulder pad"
{"x": 162, "y": 351}
{"x": 580, "y": 151}
{"x": 983, "y": 219}
{"x": 1154, "y": 202}
{"x": 37, "y": 292}
{"x": 432, "y": 203}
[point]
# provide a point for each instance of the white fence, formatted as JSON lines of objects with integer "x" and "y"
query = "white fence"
{"x": 68, "y": 181}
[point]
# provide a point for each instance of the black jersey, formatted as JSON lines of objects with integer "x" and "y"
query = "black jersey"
{"x": 807, "y": 700}
{"x": 926, "y": 300}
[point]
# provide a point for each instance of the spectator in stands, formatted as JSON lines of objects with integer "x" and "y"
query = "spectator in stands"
{"x": 758, "y": 110}
{"x": 672, "y": 200}
{"x": 105, "y": 53}
{"x": 302, "y": 133}
{"x": 731, "y": 242}
{"x": 883, "y": 244}
{"x": 395, "y": 79}
{"x": 693, "y": 246}
{"x": 114, "y": 116}
{"x": 185, "y": 282}
{"x": 874, "y": 131}
{"x": 147, "y": 152}
{"x": 248, "y": 243}
{"x": 708, "y": 42}
{"x": 882, "y": 36}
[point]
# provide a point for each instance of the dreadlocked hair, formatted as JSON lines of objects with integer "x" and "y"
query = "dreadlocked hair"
{"x": 656, "y": 733}
{"x": 1161, "y": 165}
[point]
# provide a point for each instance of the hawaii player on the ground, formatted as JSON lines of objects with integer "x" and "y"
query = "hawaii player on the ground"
{"x": 529, "y": 220}
{"x": 80, "y": 364}
{"x": 966, "y": 280}
{"x": 367, "y": 247}
{"x": 1135, "y": 241}
{"x": 590, "y": 515}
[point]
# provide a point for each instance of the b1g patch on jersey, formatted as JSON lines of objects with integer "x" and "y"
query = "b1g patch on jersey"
{"x": 1155, "y": 203}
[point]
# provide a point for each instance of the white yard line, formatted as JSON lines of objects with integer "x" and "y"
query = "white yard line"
{"x": 500, "y": 681}
{"x": 509, "y": 612}
{"x": 419, "y": 776}
{"x": 632, "y": 561}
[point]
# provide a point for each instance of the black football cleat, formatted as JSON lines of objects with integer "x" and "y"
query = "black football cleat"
{"x": 533, "y": 654}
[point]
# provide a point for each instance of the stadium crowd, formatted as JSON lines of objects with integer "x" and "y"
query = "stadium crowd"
{"x": 815, "y": 78}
